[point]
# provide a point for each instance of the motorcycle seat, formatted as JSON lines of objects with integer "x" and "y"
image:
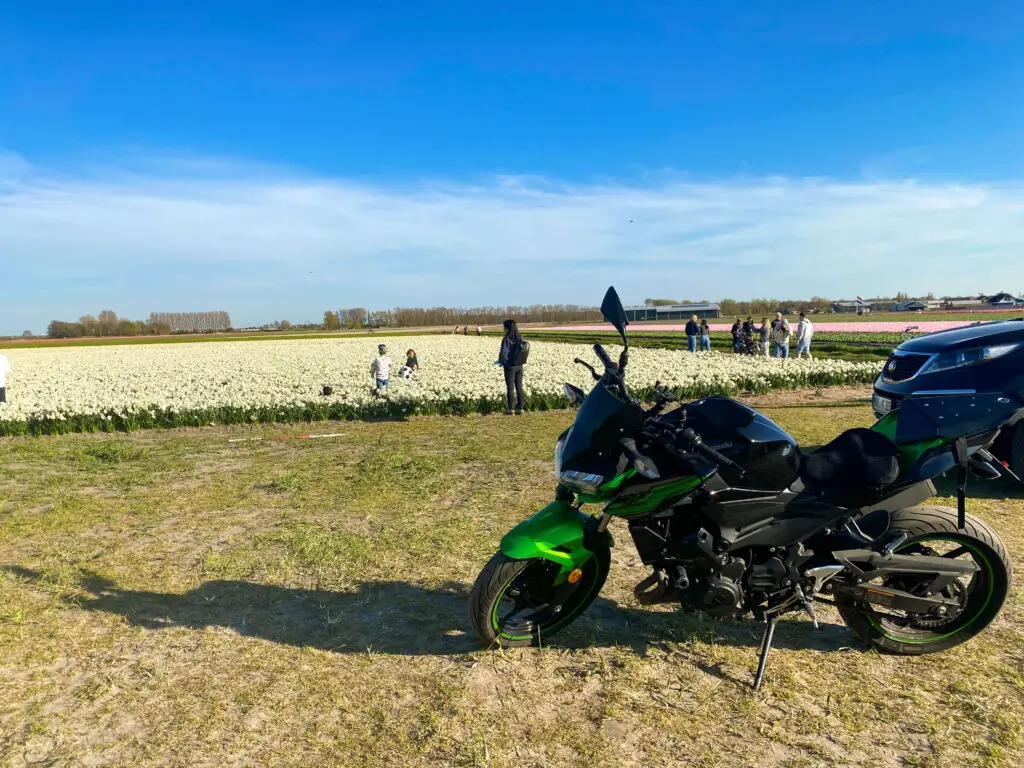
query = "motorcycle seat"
{"x": 856, "y": 459}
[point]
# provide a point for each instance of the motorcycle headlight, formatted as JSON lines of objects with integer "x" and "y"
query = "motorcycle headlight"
{"x": 581, "y": 481}
{"x": 559, "y": 449}
{"x": 947, "y": 361}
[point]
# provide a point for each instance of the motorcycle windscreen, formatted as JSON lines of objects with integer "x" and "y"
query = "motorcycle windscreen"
{"x": 953, "y": 416}
{"x": 602, "y": 419}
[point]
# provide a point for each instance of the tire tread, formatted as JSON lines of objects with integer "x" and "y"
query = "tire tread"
{"x": 495, "y": 576}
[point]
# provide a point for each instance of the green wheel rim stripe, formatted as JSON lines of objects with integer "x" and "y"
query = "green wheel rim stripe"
{"x": 494, "y": 617}
{"x": 561, "y": 622}
{"x": 988, "y": 598}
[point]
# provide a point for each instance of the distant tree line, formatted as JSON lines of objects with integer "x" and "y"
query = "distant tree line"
{"x": 765, "y": 306}
{"x": 107, "y": 323}
{"x": 413, "y": 317}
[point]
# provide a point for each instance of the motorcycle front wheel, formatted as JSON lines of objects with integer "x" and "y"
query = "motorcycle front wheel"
{"x": 933, "y": 531}
{"x": 516, "y": 603}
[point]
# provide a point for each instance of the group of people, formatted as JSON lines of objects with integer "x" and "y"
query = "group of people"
{"x": 748, "y": 338}
{"x": 698, "y": 329}
{"x": 380, "y": 368}
{"x": 465, "y": 331}
{"x": 512, "y": 357}
{"x": 770, "y": 338}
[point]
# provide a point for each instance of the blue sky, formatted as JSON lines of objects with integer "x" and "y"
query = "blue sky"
{"x": 279, "y": 159}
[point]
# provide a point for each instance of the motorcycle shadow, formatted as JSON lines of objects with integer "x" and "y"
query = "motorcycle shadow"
{"x": 381, "y": 616}
{"x": 400, "y": 618}
{"x": 665, "y": 630}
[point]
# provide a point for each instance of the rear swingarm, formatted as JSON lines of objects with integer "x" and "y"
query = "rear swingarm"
{"x": 863, "y": 565}
{"x": 897, "y": 599}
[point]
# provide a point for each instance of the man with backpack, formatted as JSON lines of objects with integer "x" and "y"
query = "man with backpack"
{"x": 513, "y": 356}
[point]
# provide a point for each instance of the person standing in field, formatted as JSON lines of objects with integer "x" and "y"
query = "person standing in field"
{"x": 479, "y": 331}
{"x": 764, "y": 333}
{"x": 737, "y": 335}
{"x": 692, "y": 332}
{"x": 380, "y": 368}
{"x": 705, "y": 335}
{"x": 512, "y": 358}
{"x": 804, "y": 332}
{"x": 5, "y": 368}
{"x": 780, "y": 335}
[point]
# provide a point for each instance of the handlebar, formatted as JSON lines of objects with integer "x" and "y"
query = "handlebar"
{"x": 697, "y": 445}
{"x": 589, "y": 367}
{"x": 603, "y": 356}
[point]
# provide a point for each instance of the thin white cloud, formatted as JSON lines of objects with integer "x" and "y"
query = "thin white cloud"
{"x": 174, "y": 234}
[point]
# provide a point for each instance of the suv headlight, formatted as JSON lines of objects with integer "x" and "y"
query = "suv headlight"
{"x": 947, "y": 361}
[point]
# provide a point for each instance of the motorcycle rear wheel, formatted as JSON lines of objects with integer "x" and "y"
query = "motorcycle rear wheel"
{"x": 933, "y": 530}
{"x": 510, "y": 605}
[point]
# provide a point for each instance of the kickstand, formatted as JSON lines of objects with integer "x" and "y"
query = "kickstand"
{"x": 766, "y": 645}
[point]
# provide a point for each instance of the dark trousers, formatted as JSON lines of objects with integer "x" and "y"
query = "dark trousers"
{"x": 514, "y": 387}
{"x": 3, "y": 394}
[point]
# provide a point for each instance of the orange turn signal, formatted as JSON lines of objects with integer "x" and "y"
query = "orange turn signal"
{"x": 575, "y": 576}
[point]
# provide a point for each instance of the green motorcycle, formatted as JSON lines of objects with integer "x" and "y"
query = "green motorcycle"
{"x": 732, "y": 518}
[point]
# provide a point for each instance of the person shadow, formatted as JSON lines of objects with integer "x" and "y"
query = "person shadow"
{"x": 401, "y": 618}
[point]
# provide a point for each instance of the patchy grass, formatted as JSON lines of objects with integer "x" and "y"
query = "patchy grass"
{"x": 285, "y": 483}
{"x": 171, "y": 598}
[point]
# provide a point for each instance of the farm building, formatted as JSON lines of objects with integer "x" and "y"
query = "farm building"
{"x": 1005, "y": 300}
{"x": 960, "y": 302}
{"x": 914, "y": 305}
{"x": 851, "y": 307}
{"x": 672, "y": 312}
{"x": 883, "y": 306}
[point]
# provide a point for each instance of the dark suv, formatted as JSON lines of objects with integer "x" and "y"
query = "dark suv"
{"x": 985, "y": 357}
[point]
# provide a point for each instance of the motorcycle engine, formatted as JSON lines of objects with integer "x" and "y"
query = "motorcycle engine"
{"x": 721, "y": 595}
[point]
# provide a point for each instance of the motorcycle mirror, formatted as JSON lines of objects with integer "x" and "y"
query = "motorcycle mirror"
{"x": 612, "y": 311}
{"x": 575, "y": 394}
{"x": 645, "y": 467}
